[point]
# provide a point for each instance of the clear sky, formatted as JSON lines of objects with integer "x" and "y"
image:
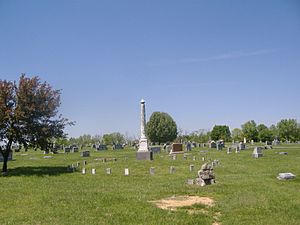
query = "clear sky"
{"x": 203, "y": 62}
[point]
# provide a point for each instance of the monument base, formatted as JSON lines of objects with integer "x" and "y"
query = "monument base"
{"x": 146, "y": 155}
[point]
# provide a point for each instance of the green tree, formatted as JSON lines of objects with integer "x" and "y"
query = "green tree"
{"x": 264, "y": 133}
{"x": 161, "y": 128}
{"x": 288, "y": 130}
{"x": 113, "y": 138}
{"x": 28, "y": 115}
{"x": 220, "y": 132}
{"x": 250, "y": 131}
{"x": 237, "y": 134}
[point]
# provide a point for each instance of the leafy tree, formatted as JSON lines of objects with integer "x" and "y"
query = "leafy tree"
{"x": 161, "y": 128}
{"x": 221, "y": 132}
{"x": 250, "y": 131}
{"x": 113, "y": 138}
{"x": 237, "y": 134}
{"x": 28, "y": 115}
{"x": 274, "y": 131}
{"x": 288, "y": 129}
{"x": 264, "y": 134}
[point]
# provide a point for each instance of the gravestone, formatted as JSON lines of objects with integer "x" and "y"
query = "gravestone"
{"x": 108, "y": 171}
{"x": 117, "y": 147}
{"x": 176, "y": 148}
{"x": 212, "y": 144}
{"x": 174, "y": 157}
{"x": 152, "y": 170}
{"x": 155, "y": 149}
{"x": 172, "y": 169}
{"x": 194, "y": 158}
{"x": 229, "y": 150}
{"x": 48, "y": 157}
{"x": 219, "y": 146}
{"x": 282, "y": 153}
{"x": 67, "y": 149}
{"x": 84, "y": 162}
{"x": 126, "y": 172}
{"x": 237, "y": 149}
{"x": 205, "y": 175}
{"x": 191, "y": 168}
{"x": 285, "y": 176}
{"x": 85, "y": 154}
{"x": 188, "y": 146}
{"x": 83, "y": 171}
{"x": 75, "y": 149}
{"x": 101, "y": 147}
{"x": 93, "y": 171}
{"x": 257, "y": 152}
{"x": 242, "y": 146}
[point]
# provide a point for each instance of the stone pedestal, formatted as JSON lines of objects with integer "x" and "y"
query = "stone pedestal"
{"x": 144, "y": 155}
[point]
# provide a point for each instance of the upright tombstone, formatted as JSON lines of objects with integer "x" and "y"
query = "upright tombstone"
{"x": 257, "y": 152}
{"x": 155, "y": 149}
{"x": 101, "y": 147}
{"x": 176, "y": 148}
{"x": 212, "y": 144}
{"x": 143, "y": 152}
{"x": 229, "y": 150}
{"x": 117, "y": 147}
{"x": 242, "y": 146}
{"x": 85, "y": 154}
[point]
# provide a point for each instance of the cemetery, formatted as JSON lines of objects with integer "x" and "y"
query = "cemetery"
{"x": 113, "y": 187}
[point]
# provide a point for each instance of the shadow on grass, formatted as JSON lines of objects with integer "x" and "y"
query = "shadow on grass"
{"x": 38, "y": 171}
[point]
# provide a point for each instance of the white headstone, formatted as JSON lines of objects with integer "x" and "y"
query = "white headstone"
{"x": 126, "y": 171}
{"x": 83, "y": 171}
{"x": 93, "y": 171}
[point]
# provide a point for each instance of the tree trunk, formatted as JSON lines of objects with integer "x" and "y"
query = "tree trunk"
{"x": 5, "y": 154}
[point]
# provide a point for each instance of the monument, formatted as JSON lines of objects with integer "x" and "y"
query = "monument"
{"x": 143, "y": 152}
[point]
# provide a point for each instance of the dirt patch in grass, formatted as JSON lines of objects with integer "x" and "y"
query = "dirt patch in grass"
{"x": 181, "y": 201}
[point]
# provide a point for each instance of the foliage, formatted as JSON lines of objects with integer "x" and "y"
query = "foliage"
{"x": 220, "y": 132}
{"x": 161, "y": 128}
{"x": 264, "y": 133}
{"x": 28, "y": 114}
{"x": 250, "y": 131}
{"x": 237, "y": 134}
{"x": 113, "y": 138}
{"x": 288, "y": 130}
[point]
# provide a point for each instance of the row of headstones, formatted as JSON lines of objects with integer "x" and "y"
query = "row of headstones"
{"x": 100, "y": 147}
{"x": 126, "y": 170}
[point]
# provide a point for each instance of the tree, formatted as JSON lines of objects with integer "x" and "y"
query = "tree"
{"x": 28, "y": 115}
{"x": 221, "y": 132}
{"x": 264, "y": 134}
{"x": 237, "y": 134}
{"x": 161, "y": 128}
{"x": 113, "y": 138}
{"x": 250, "y": 131}
{"x": 288, "y": 130}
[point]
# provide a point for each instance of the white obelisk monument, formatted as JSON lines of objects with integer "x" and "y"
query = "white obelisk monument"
{"x": 143, "y": 152}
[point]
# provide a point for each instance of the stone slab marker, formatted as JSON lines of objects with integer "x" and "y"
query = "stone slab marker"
{"x": 152, "y": 170}
{"x": 93, "y": 171}
{"x": 108, "y": 170}
{"x": 143, "y": 152}
{"x": 126, "y": 172}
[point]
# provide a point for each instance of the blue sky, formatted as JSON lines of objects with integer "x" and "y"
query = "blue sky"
{"x": 203, "y": 62}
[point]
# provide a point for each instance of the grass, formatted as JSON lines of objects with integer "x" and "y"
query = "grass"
{"x": 42, "y": 191}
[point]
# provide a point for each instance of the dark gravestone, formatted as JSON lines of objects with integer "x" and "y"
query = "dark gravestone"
{"x": 155, "y": 149}
{"x": 176, "y": 148}
{"x": 75, "y": 149}
{"x": 101, "y": 147}
{"x": 85, "y": 154}
{"x": 257, "y": 152}
{"x": 212, "y": 144}
{"x": 117, "y": 147}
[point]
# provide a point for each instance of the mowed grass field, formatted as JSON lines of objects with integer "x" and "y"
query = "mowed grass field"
{"x": 42, "y": 191}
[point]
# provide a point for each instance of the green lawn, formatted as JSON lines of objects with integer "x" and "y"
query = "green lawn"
{"x": 42, "y": 191}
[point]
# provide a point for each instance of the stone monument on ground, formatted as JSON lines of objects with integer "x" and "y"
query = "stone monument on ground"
{"x": 143, "y": 152}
